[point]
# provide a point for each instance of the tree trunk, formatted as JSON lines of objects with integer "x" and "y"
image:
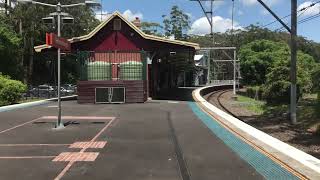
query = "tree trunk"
{"x": 21, "y": 63}
{"x": 30, "y": 66}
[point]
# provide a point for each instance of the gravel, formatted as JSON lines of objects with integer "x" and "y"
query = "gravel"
{"x": 275, "y": 125}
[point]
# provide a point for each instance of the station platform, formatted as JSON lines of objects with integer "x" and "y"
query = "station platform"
{"x": 161, "y": 139}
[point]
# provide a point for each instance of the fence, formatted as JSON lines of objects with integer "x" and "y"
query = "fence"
{"x": 47, "y": 92}
{"x": 112, "y": 65}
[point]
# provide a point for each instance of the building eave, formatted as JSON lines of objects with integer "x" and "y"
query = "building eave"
{"x": 139, "y": 31}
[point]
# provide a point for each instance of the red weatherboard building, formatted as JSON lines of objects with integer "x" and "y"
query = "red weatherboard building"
{"x": 118, "y": 54}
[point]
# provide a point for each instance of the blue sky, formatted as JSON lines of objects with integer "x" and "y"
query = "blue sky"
{"x": 246, "y": 12}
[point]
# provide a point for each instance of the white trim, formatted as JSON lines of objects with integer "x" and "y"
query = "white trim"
{"x": 30, "y": 104}
{"x": 290, "y": 151}
{"x": 139, "y": 31}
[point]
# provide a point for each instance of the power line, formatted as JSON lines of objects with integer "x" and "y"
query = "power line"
{"x": 302, "y": 9}
{"x": 304, "y": 20}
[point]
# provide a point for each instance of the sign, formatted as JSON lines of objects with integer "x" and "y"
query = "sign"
{"x": 57, "y": 42}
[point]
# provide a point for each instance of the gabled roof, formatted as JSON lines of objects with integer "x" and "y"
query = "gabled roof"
{"x": 139, "y": 31}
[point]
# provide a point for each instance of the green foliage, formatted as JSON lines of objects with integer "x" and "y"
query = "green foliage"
{"x": 318, "y": 130}
{"x": 254, "y": 92}
{"x": 258, "y": 57}
{"x": 151, "y": 28}
{"x": 9, "y": 49}
{"x": 251, "y": 33}
{"x": 26, "y": 19}
{"x": 316, "y": 78}
{"x": 10, "y": 90}
{"x": 252, "y": 104}
{"x": 267, "y": 63}
{"x": 177, "y": 24}
{"x": 277, "y": 86}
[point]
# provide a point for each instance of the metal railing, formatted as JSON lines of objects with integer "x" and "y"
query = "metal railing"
{"x": 47, "y": 91}
{"x": 112, "y": 65}
{"x": 223, "y": 82}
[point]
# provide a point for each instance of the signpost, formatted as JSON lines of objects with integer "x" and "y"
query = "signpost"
{"x": 57, "y": 42}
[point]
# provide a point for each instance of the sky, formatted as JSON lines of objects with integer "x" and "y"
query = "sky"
{"x": 246, "y": 12}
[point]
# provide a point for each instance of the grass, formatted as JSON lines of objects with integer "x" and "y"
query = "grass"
{"x": 308, "y": 111}
{"x": 252, "y": 104}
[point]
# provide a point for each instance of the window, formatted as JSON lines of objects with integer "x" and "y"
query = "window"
{"x": 117, "y": 25}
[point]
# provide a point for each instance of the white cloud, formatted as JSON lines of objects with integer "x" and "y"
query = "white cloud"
{"x": 131, "y": 15}
{"x": 215, "y": 6}
{"x": 254, "y": 2}
{"x": 311, "y": 10}
{"x": 220, "y": 24}
{"x": 248, "y": 2}
{"x": 103, "y": 14}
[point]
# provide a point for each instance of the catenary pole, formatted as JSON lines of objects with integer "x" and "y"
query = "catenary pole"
{"x": 293, "y": 71}
{"x": 59, "y": 122}
{"x": 293, "y": 63}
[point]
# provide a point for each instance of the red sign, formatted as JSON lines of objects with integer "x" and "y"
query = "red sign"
{"x": 57, "y": 42}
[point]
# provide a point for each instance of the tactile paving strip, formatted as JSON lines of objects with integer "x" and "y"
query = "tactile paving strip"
{"x": 76, "y": 156}
{"x": 89, "y": 144}
{"x": 263, "y": 164}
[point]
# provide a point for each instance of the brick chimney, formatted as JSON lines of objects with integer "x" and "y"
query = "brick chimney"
{"x": 137, "y": 22}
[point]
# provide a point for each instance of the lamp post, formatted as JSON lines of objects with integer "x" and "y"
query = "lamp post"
{"x": 59, "y": 13}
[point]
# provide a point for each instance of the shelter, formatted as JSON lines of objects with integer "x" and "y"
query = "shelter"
{"x": 120, "y": 63}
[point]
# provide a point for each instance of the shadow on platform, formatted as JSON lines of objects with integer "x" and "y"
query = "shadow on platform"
{"x": 177, "y": 94}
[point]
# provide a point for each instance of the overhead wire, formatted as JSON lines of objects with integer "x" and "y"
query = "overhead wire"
{"x": 304, "y": 20}
{"x": 303, "y": 10}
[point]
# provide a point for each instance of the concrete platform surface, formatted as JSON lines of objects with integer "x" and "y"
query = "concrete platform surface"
{"x": 156, "y": 140}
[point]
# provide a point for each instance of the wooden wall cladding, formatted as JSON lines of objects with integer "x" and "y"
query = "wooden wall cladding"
{"x": 135, "y": 90}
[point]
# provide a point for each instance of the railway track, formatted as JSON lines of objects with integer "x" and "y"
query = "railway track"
{"x": 215, "y": 99}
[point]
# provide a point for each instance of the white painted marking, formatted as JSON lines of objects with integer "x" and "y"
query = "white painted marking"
{"x": 173, "y": 102}
{"x": 31, "y": 104}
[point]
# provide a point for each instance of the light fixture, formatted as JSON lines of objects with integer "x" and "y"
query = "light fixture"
{"x": 48, "y": 20}
{"x": 92, "y": 3}
{"x": 67, "y": 20}
{"x": 25, "y": 1}
{"x": 173, "y": 53}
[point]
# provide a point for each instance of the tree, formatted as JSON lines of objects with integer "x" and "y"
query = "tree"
{"x": 251, "y": 33}
{"x": 257, "y": 59}
{"x": 151, "y": 28}
{"x": 27, "y": 20}
{"x": 9, "y": 49}
{"x": 266, "y": 63}
{"x": 176, "y": 24}
{"x": 316, "y": 80}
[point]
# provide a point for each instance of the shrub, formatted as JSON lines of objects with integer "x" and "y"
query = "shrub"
{"x": 254, "y": 92}
{"x": 318, "y": 130}
{"x": 10, "y": 90}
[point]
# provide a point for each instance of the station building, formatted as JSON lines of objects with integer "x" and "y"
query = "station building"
{"x": 119, "y": 63}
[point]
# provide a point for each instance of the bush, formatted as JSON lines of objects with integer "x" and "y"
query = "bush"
{"x": 254, "y": 92}
{"x": 10, "y": 90}
{"x": 277, "y": 92}
{"x": 318, "y": 130}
